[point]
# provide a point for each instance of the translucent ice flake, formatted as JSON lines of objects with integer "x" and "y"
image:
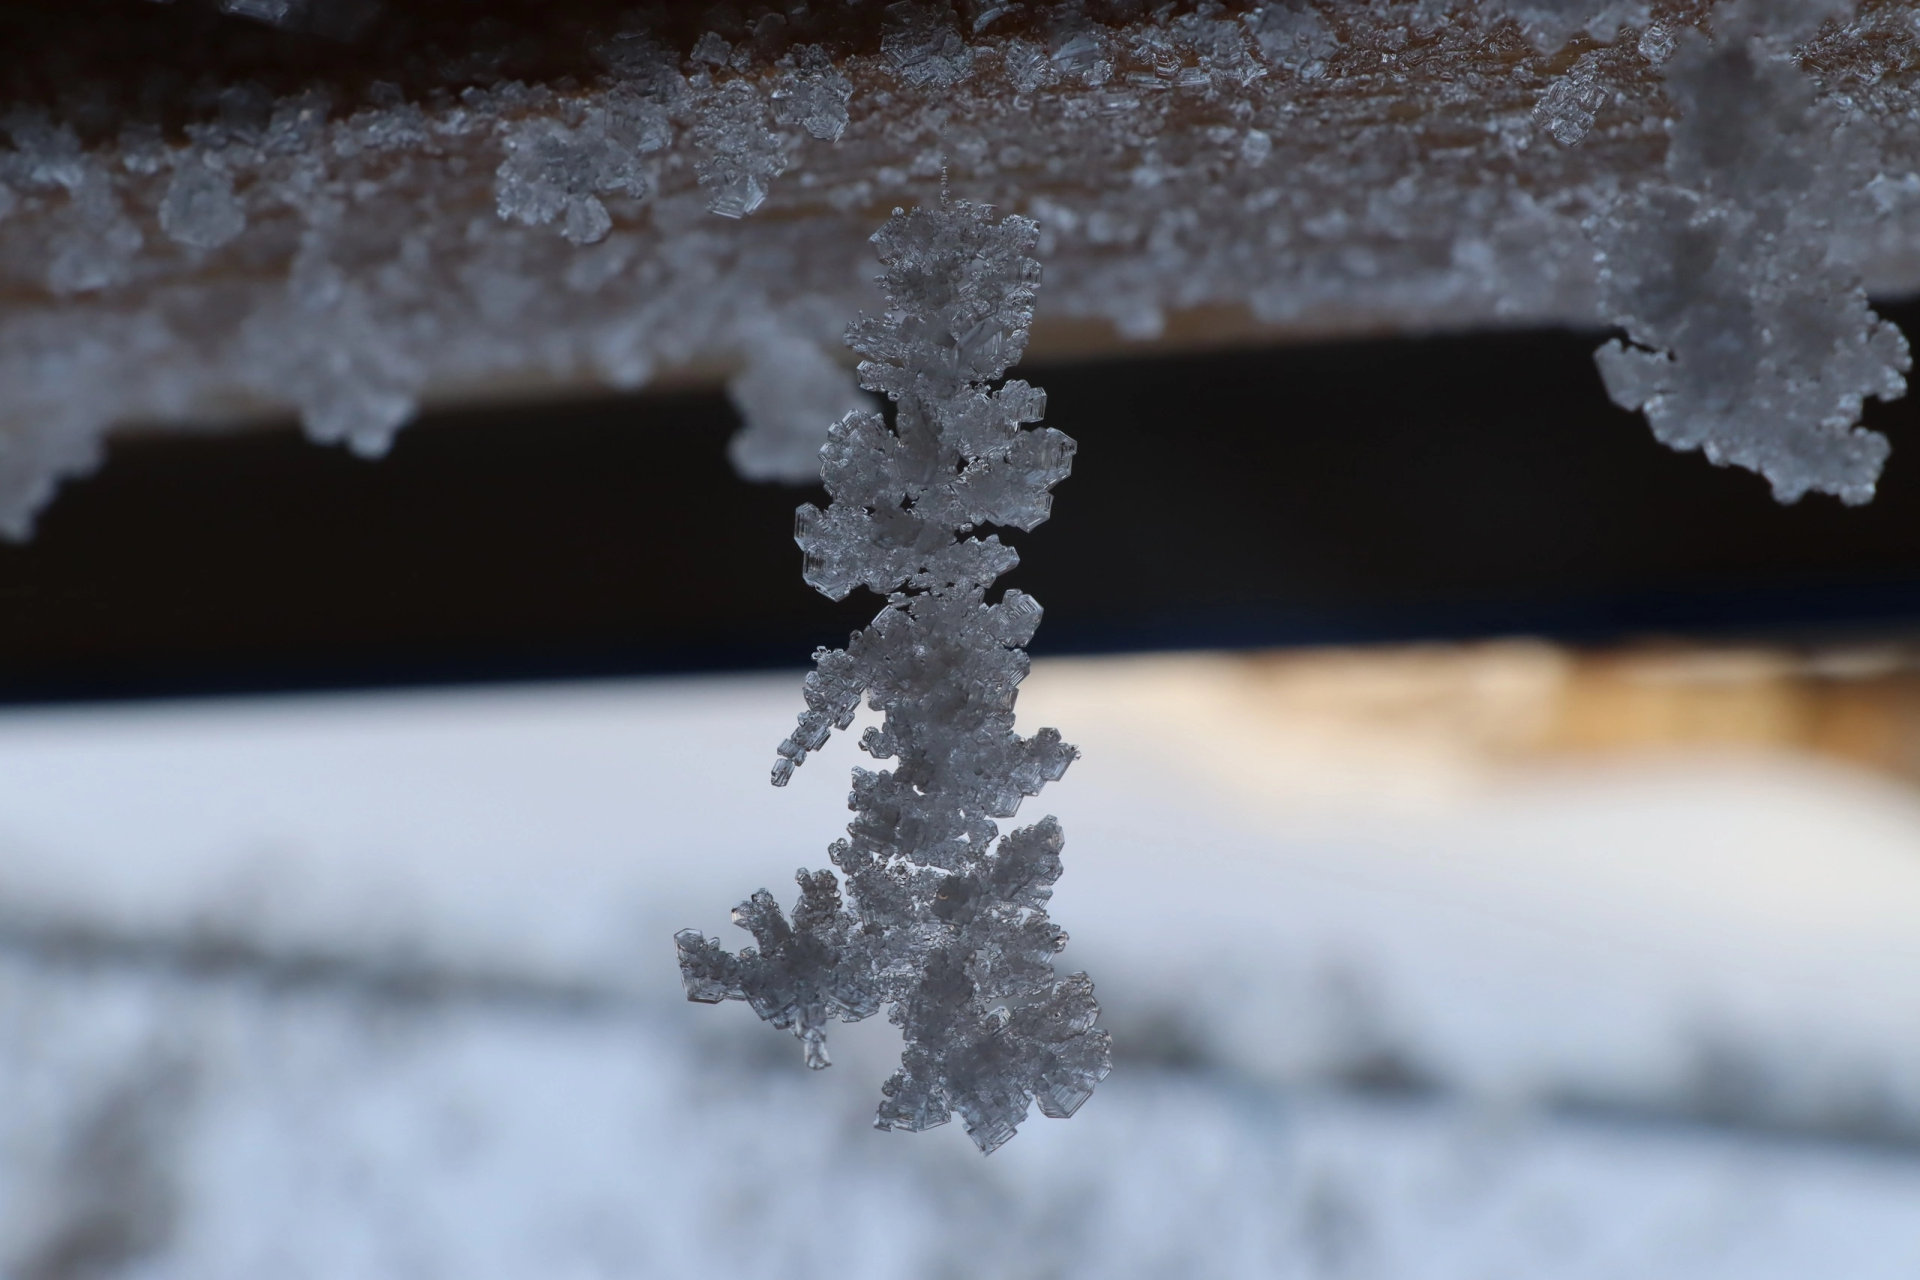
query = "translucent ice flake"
{"x": 990, "y": 1068}
{"x": 741, "y": 155}
{"x": 924, "y": 45}
{"x": 1751, "y": 336}
{"x": 801, "y": 975}
{"x": 1549, "y": 24}
{"x": 1656, "y": 43}
{"x": 789, "y": 393}
{"x": 1292, "y": 34}
{"x": 1567, "y": 108}
{"x": 557, "y": 173}
{"x": 200, "y": 208}
{"x": 947, "y": 923}
{"x": 812, "y": 93}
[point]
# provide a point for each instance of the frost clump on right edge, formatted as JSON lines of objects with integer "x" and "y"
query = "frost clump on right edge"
{"x": 1752, "y": 338}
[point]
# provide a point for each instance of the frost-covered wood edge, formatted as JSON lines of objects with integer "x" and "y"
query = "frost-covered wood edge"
{"x": 701, "y": 196}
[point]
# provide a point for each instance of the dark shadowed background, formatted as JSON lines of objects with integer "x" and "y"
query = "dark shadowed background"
{"x": 1389, "y": 490}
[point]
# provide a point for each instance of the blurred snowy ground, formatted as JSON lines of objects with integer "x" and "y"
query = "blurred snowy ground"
{"x": 383, "y": 986}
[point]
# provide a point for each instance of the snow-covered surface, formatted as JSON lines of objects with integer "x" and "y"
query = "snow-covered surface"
{"x": 1375, "y": 1013}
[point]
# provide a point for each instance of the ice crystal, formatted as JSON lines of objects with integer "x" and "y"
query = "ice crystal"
{"x": 788, "y": 393}
{"x": 200, "y": 208}
{"x": 1656, "y": 43}
{"x": 1549, "y": 24}
{"x": 553, "y": 172}
{"x": 924, "y": 46}
{"x": 1566, "y": 110}
{"x": 812, "y": 93}
{"x": 1752, "y": 340}
{"x": 1292, "y": 34}
{"x": 742, "y": 155}
{"x": 948, "y": 923}
{"x": 558, "y": 172}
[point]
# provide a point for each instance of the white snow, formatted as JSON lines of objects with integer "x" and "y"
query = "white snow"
{"x": 1714, "y": 957}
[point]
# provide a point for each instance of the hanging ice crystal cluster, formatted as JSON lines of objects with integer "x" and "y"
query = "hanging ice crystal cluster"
{"x": 1751, "y": 336}
{"x": 947, "y": 921}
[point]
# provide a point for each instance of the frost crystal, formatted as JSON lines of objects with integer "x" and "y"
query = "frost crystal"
{"x": 923, "y": 45}
{"x": 1549, "y": 24}
{"x": 95, "y": 243}
{"x": 1656, "y": 43}
{"x": 948, "y": 922}
{"x": 1753, "y": 340}
{"x": 742, "y": 155}
{"x": 788, "y": 393}
{"x": 200, "y": 208}
{"x": 1566, "y": 110}
{"x": 558, "y": 172}
{"x": 1293, "y": 35}
{"x": 812, "y": 93}
{"x": 554, "y": 173}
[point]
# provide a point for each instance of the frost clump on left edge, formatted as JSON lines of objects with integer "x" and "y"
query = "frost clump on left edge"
{"x": 948, "y": 921}
{"x": 1752, "y": 339}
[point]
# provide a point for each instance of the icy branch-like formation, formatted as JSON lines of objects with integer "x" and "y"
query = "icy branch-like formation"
{"x": 948, "y": 920}
{"x": 1753, "y": 340}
